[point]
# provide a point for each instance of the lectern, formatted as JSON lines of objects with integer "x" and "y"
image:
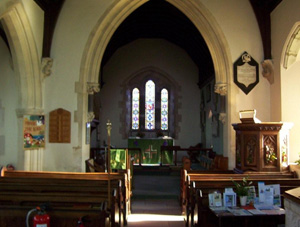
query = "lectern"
{"x": 261, "y": 147}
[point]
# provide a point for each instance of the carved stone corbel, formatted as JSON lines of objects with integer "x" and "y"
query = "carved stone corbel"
{"x": 92, "y": 88}
{"x": 221, "y": 89}
{"x": 90, "y": 116}
{"x": 268, "y": 70}
{"x": 222, "y": 118}
{"x": 46, "y": 67}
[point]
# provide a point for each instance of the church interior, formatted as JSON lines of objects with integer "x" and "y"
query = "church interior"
{"x": 139, "y": 112}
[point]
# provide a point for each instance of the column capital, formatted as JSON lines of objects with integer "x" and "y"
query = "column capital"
{"x": 92, "y": 88}
{"x": 221, "y": 89}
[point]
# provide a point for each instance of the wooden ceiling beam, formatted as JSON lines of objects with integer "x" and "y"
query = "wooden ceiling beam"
{"x": 263, "y": 10}
{"x": 51, "y": 10}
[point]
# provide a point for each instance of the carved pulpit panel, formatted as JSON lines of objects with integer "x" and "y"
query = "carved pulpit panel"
{"x": 258, "y": 146}
{"x": 251, "y": 149}
{"x": 60, "y": 126}
{"x": 271, "y": 154}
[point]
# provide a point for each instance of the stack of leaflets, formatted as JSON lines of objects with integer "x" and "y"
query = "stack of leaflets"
{"x": 256, "y": 212}
{"x": 237, "y": 211}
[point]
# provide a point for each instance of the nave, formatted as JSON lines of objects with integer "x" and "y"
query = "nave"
{"x": 155, "y": 200}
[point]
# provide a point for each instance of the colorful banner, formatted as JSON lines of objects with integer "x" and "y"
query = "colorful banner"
{"x": 34, "y": 131}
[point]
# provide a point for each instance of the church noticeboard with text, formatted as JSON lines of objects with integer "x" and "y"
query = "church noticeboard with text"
{"x": 34, "y": 131}
{"x": 246, "y": 73}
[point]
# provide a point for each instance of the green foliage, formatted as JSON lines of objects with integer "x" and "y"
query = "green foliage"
{"x": 242, "y": 188}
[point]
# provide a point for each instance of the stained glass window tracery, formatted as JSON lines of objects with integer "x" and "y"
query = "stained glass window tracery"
{"x": 164, "y": 109}
{"x": 135, "y": 108}
{"x": 150, "y": 105}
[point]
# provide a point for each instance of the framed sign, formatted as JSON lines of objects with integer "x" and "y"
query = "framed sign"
{"x": 246, "y": 73}
{"x": 34, "y": 131}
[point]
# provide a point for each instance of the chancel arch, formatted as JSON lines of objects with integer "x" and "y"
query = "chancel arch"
{"x": 112, "y": 19}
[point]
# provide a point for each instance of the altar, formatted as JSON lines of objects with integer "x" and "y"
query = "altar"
{"x": 150, "y": 151}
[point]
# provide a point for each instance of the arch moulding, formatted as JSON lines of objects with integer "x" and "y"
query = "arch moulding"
{"x": 291, "y": 48}
{"x": 26, "y": 66}
{"x": 110, "y": 21}
{"x": 117, "y": 13}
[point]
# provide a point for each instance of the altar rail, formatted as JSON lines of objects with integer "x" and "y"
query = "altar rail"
{"x": 94, "y": 154}
{"x": 204, "y": 183}
{"x": 97, "y": 195}
{"x": 200, "y": 151}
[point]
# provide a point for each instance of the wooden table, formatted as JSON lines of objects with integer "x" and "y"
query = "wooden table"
{"x": 223, "y": 218}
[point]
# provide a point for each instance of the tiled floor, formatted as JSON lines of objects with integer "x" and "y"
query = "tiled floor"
{"x": 155, "y": 200}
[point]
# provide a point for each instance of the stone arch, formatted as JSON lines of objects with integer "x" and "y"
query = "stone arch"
{"x": 26, "y": 66}
{"x": 291, "y": 50}
{"x": 195, "y": 11}
{"x": 25, "y": 57}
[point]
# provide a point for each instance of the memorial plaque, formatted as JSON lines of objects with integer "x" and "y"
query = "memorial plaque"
{"x": 246, "y": 73}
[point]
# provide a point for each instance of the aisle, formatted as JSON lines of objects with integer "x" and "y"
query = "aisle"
{"x": 155, "y": 200}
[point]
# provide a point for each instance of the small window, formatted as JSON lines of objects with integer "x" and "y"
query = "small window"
{"x": 150, "y": 105}
{"x": 164, "y": 112}
{"x": 135, "y": 108}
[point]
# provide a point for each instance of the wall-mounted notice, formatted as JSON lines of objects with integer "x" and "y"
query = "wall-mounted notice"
{"x": 245, "y": 70}
{"x": 34, "y": 131}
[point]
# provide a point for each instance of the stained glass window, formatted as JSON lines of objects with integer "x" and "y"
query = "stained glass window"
{"x": 135, "y": 108}
{"x": 150, "y": 105}
{"x": 164, "y": 109}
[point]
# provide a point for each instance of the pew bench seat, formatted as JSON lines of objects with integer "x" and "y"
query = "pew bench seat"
{"x": 98, "y": 195}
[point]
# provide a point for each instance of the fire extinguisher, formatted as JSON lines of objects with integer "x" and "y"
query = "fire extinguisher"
{"x": 80, "y": 223}
{"x": 41, "y": 219}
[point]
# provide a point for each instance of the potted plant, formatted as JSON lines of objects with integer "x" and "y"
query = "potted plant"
{"x": 242, "y": 189}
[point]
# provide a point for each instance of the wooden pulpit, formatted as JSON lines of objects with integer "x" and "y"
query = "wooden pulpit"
{"x": 262, "y": 147}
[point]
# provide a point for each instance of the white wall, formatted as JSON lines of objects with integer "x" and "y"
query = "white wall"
{"x": 8, "y": 106}
{"x": 165, "y": 56}
{"x": 284, "y": 18}
{"x": 237, "y": 21}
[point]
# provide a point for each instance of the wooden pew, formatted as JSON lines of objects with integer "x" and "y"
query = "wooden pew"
{"x": 68, "y": 192}
{"x": 198, "y": 186}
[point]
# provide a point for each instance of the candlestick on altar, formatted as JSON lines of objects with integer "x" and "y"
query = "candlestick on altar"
{"x": 108, "y": 127}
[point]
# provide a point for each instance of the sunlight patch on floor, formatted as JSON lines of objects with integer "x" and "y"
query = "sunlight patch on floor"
{"x": 154, "y": 217}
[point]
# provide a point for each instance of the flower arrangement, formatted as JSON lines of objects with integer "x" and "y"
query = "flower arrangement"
{"x": 242, "y": 188}
{"x": 270, "y": 155}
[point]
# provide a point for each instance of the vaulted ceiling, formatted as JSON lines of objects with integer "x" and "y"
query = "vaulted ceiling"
{"x": 159, "y": 19}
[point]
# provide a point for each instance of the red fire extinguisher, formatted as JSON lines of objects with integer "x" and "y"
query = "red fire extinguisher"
{"x": 41, "y": 219}
{"x": 80, "y": 223}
